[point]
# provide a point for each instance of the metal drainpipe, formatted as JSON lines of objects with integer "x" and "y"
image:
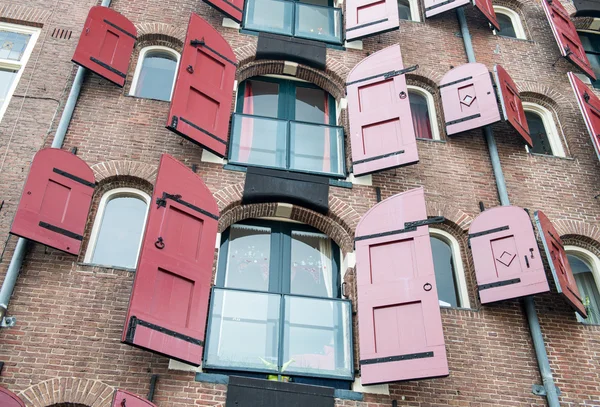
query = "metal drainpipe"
{"x": 16, "y": 261}
{"x": 529, "y": 304}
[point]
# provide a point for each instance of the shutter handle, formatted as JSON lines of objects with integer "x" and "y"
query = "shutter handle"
{"x": 427, "y": 287}
{"x": 87, "y": 30}
{"x": 123, "y": 404}
{"x": 526, "y": 261}
{"x": 159, "y": 244}
{"x": 531, "y": 251}
{"x": 190, "y": 69}
{"x": 402, "y": 95}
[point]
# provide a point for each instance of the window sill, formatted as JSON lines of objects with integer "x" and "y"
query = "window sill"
{"x": 103, "y": 266}
{"x": 443, "y": 307}
{"x": 155, "y": 100}
{"x": 551, "y": 156}
{"x": 338, "y": 47}
{"x": 430, "y": 140}
{"x": 514, "y": 39}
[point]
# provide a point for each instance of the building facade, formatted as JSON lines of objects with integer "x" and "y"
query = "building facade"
{"x": 243, "y": 180}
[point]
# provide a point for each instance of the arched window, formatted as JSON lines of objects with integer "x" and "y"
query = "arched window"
{"x": 155, "y": 73}
{"x": 510, "y": 23}
{"x": 449, "y": 272}
{"x": 543, "y": 131}
{"x": 408, "y": 10}
{"x": 422, "y": 108}
{"x": 118, "y": 228}
{"x": 277, "y": 303}
{"x": 586, "y": 269}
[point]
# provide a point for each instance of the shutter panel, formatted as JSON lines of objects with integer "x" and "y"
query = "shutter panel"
{"x": 169, "y": 302}
{"x": 201, "y": 101}
{"x": 123, "y": 398}
{"x": 231, "y": 8}
{"x": 506, "y": 255}
{"x": 559, "y": 264}
{"x": 468, "y": 98}
{"x": 400, "y": 326}
{"x": 370, "y": 17}
{"x": 56, "y": 200}
{"x": 435, "y": 7}
{"x": 566, "y": 36}
{"x": 487, "y": 9}
{"x": 381, "y": 126}
{"x": 589, "y": 104}
{"x": 510, "y": 100}
{"x": 106, "y": 44}
{"x": 9, "y": 399}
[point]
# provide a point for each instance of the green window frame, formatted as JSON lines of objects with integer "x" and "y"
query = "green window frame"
{"x": 593, "y": 55}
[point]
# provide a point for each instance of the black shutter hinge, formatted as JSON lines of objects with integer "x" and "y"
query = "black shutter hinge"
{"x": 131, "y": 330}
{"x": 195, "y": 43}
{"x": 586, "y": 97}
{"x": 163, "y": 201}
{"x": 391, "y": 74}
{"x": 430, "y": 221}
{"x": 568, "y": 50}
{"x": 174, "y": 122}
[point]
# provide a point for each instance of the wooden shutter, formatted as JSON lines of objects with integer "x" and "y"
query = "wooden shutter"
{"x": 435, "y": 7}
{"x": 123, "y": 398}
{"x": 468, "y": 98}
{"x": 169, "y": 302}
{"x": 487, "y": 9}
{"x": 559, "y": 264}
{"x": 507, "y": 260}
{"x": 106, "y": 44}
{"x": 9, "y": 399}
{"x": 231, "y": 8}
{"x": 56, "y": 200}
{"x": 370, "y": 17}
{"x": 381, "y": 126}
{"x": 510, "y": 100}
{"x": 566, "y": 36}
{"x": 400, "y": 326}
{"x": 201, "y": 102}
{"x": 589, "y": 104}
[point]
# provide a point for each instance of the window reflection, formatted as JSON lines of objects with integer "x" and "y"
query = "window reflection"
{"x": 157, "y": 76}
{"x": 445, "y": 276}
{"x": 588, "y": 289}
{"x": 539, "y": 136}
{"x": 507, "y": 28}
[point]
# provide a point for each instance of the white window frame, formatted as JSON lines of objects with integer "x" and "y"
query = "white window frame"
{"x": 459, "y": 270}
{"x": 514, "y": 18}
{"x": 550, "y": 126}
{"x": 140, "y": 62}
{"x": 435, "y": 132}
{"x": 414, "y": 11}
{"x": 107, "y": 197}
{"x": 592, "y": 260}
{"x": 19, "y": 66}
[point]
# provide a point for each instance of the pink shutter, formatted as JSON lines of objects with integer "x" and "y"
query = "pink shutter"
{"x": 370, "y": 17}
{"x": 435, "y": 7}
{"x": 106, "y": 44}
{"x": 487, "y": 9}
{"x": 231, "y": 8}
{"x": 468, "y": 98}
{"x": 589, "y": 104}
{"x": 123, "y": 398}
{"x": 507, "y": 260}
{"x": 400, "y": 326}
{"x": 56, "y": 200}
{"x": 559, "y": 264}
{"x": 381, "y": 126}
{"x": 510, "y": 100}
{"x": 9, "y": 399}
{"x": 169, "y": 302}
{"x": 201, "y": 103}
{"x": 566, "y": 36}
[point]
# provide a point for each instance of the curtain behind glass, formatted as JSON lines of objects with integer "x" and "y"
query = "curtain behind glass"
{"x": 420, "y": 115}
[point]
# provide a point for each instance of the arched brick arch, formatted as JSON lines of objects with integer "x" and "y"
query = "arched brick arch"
{"x": 545, "y": 94}
{"x": 153, "y": 32}
{"x": 68, "y": 391}
{"x": 452, "y": 214}
{"x": 566, "y": 227}
{"x": 115, "y": 168}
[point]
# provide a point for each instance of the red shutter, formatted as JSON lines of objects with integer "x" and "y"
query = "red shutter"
{"x": 106, "y": 44}
{"x": 203, "y": 92}
{"x": 468, "y": 98}
{"x": 566, "y": 36}
{"x": 435, "y": 7}
{"x": 512, "y": 107}
{"x": 9, "y": 399}
{"x": 381, "y": 126}
{"x": 559, "y": 264}
{"x": 506, "y": 255}
{"x": 487, "y": 9}
{"x": 370, "y": 17}
{"x": 231, "y": 8}
{"x": 124, "y": 398}
{"x": 589, "y": 104}
{"x": 169, "y": 302}
{"x": 56, "y": 200}
{"x": 400, "y": 326}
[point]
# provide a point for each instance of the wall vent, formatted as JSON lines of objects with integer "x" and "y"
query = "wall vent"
{"x": 62, "y": 34}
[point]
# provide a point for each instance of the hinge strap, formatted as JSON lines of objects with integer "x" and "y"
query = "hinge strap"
{"x": 61, "y": 231}
{"x": 386, "y": 75}
{"x": 110, "y": 68}
{"x": 189, "y": 123}
{"x": 134, "y": 322}
{"x": 379, "y": 157}
{"x": 74, "y": 178}
{"x": 177, "y": 198}
{"x": 202, "y": 43}
{"x": 410, "y": 356}
{"x": 439, "y": 5}
{"x": 358, "y": 27}
{"x": 464, "y": 119}
{"x": 113, "y": 25}
{"x": 499, "y": 284}
{"x": 455, "y": 82}
{"x": 487, "y": 232}
{"x": 408, "y": 227}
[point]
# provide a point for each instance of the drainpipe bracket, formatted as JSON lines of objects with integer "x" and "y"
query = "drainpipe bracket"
{"x": 8, "y": 322}
{"x": 540, "y": 390}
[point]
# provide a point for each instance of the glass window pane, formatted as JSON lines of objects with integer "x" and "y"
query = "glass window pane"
{"x": 248, "y": 257}
{"x": 269, "y": 15}
{"x": 311, "y": 265}
{"x": 120, "y": 232}
{"x": 259, "y": 141}
{"x": 539, "y": 137}
{"x": 261, "y": 98}
{"x": 420, "y": 115}
{"x": 588, "y": 289}
{"x": 244, "y": 330}
{"x": 506, "y": 26}
{"x": 316, "y": 148}
{"x": 590, "y": 41}
{"x": 317, "y": 337}
{"x": 312, "y": 105}
{"x": 157, "y": 76}
{"x": 7, "y": 77}
{"x": 444, "y": 272}
{"x": 404, "y": 10}
{"x": 318, "y": 23}
{"x": 13, "y": 45}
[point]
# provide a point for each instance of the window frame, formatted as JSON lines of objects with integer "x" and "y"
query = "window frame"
{"x": 594, "y": 263}
{"x": 516, "y": 22}
{"x": 107, "y": 197}
{"x": 433, "y": 123}
{"x": 17, "y": 65}
{"x": 140, "y": 62}
{"x": 459, "y": 270}
{"x": 415, "y": 15}
{"x": 595, "y": 84}
{"x": 551, "y": 129}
